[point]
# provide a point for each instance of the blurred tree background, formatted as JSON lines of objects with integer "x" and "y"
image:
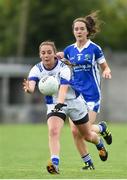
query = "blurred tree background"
{"x": 25, "y": 23}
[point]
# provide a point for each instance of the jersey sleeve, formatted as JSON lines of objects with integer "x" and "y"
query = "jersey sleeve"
{"x": 99, "y": 55}
{"x": 66, "y": 53}
{"x": 65, "y": 74}
{"x": 34, "y": 74}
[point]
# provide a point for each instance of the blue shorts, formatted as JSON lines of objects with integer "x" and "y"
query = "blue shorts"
{"x": 93, "y": 106}
{"x": 92, "y": 103}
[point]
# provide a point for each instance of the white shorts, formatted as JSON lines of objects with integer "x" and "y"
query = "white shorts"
{"x": 76, "y": 109}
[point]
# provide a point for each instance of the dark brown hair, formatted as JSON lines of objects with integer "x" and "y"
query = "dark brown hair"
{"x": 92, "y": 23}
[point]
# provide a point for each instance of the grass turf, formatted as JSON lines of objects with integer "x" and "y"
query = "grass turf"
{"x": 24, "y": 154}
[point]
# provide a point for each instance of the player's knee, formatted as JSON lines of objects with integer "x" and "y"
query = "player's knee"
{"x": 53, "y": 132}
{"x": 88, "y": 137}
{"x": 75, "y": 133}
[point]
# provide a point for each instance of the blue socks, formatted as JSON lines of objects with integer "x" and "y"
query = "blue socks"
{"x": 100, "y": 145}
{"x": 55, "y": 160}
{"x": 87, "y": 159}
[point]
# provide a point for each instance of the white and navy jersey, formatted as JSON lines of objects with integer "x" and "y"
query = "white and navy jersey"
{"x": 60, "y": 71}
{"x": 85, "y": 76}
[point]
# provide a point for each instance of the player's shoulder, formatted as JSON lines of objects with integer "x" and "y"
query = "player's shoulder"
{"x": 39, "y": 66}
{"x": 94, "y": 45}
{"x": 70, "y": 46}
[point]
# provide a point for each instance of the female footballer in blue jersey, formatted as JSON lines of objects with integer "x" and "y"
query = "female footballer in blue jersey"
{"x": 85, "y": 57}
{"x": 61, "y": 105}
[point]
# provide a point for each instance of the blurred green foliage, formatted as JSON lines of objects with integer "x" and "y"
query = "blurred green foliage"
{"x": 25, "y": 24}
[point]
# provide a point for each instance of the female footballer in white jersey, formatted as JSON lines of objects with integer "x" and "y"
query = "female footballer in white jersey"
{"x": 85, "y": 58}
{"x": 65, "y": 104}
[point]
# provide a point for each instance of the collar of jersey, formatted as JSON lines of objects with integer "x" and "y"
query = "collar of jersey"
{"x": 52, "y": 68}
{"x": 85, "y": 45}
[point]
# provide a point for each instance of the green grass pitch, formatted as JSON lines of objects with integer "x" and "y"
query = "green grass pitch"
{"x": 24, "y": 154}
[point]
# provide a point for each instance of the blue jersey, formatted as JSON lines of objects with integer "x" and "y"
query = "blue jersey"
{"x": 85, "y": 72}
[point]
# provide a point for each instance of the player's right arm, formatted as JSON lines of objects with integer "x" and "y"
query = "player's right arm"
{"x": 30, "y": 83}
{"x": 60, "y": 55}
{"x": 29, "y": 86}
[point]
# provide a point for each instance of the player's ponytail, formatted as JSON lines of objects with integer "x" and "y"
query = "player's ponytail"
{"x": 93, "y": 23}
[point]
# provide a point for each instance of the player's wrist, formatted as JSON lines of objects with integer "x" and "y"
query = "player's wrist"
{"x": 28, "y": 91}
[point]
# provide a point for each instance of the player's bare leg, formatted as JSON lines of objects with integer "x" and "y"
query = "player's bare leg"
{"x": 55, "y": 125}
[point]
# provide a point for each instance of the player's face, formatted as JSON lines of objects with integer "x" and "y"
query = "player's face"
{"x": 47, "y": 55}
{"x": 80, "y": 31}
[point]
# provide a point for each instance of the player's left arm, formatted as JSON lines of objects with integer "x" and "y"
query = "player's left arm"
{"x": 61, "y": 98}
{"x": 65, "y": 76}
{"x": 106, "y": 71}
{"x": 62, "y": 93}
{"x": 99, "y": 56}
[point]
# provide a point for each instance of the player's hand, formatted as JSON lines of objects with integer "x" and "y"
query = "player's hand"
{"x": 60, "y": 55}
{"x": 26, "y": 85}
{"x": 107, "y": 74}
{"x": 67, "y": 62}
{"x": 58, "y": 107}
